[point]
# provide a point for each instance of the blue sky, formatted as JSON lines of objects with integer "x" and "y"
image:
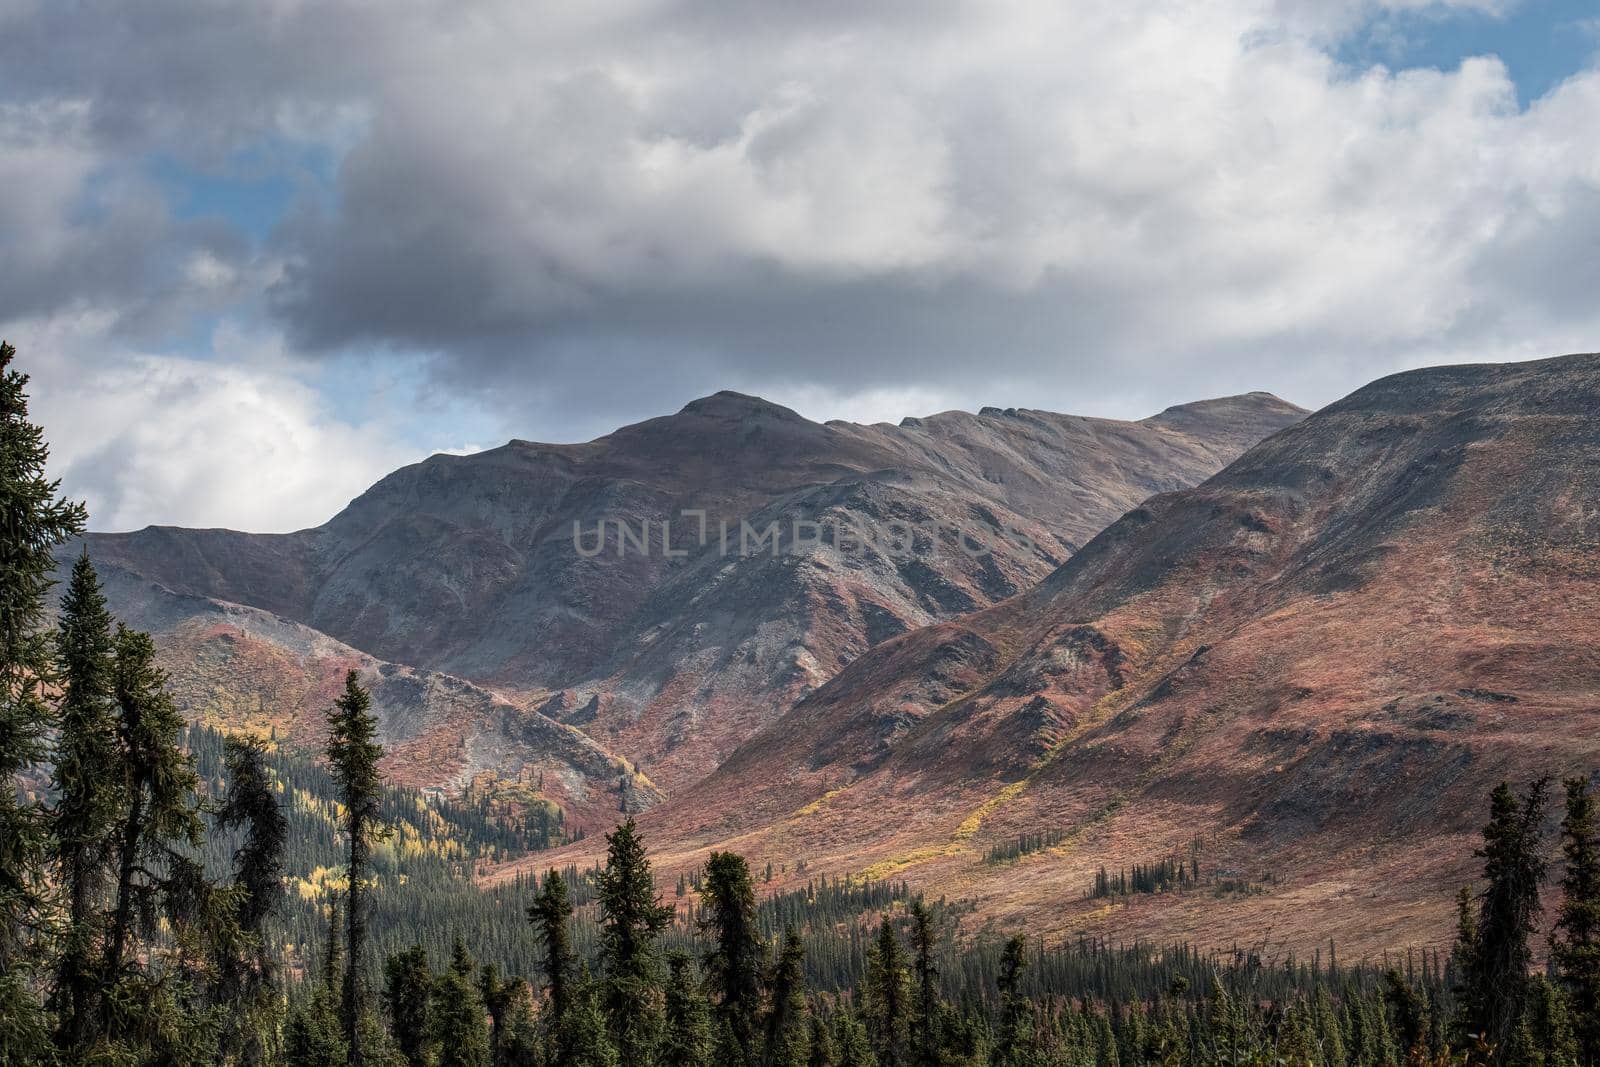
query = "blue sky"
{"x": 1541, "y": 42}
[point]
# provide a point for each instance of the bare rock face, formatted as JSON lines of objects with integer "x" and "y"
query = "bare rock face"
{"x": 1318, "y": 663}
{"x": 481, "y": 568}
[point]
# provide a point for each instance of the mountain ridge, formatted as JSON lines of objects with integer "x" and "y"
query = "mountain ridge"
{"x": 1321, "y": 658}
{"x": 468, "y": 565}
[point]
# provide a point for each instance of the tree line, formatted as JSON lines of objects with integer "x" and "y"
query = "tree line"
{"x": 142, "y": 911}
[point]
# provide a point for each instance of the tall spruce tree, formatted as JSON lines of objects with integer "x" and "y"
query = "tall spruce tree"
{"x": 631, "y": 919}
{"x": 1576, "y": 944}
{"x": 888, "y": 1004}
{"x": 353, "y": 754}
{"x": 161, "y": 820}
{"x": 737, "y": 955}
{"x": 788, "y": 1031}
{"x": 33, "y": 521}
{"x": 1011, "y": 1044}
{"x": 245, "y": 981}
{"x": 687, "y": 1038}
{"x": 550, "y": 913}
{"x": 924, "y": 940}
{"x": 87, "y": 774}
{"x": 1496, "y": 983}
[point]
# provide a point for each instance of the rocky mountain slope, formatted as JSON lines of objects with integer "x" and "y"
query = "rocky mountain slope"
{"x": 483, "y": 567}
{"x": 1310, "y": 670}
{"x": 241, "y": 668}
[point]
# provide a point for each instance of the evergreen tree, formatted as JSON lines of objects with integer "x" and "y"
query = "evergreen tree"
{"x": 1549, "y": 1025}
{"x": 1575, "y": 946}
{"x": 582, "y": 1039}
{"x": 160, "y": 814}
{"x": 631, "y": 918}
{"x": 687, "y": 1040}
{"x": 408, "y": 998}
{"x": 787, "y": 1030}
{"x": 851, "y": 1040}
{"x": 822, "y": 1053}
{"x": 459, "y": 1032}
{"x": 245, "y": 976}
{"x": 735, "y": 961}
{"x": 353, "y": 754}
{"x": 314, "y": 1036}
{"x": 888, "y": 1005}
{"x": 924, "y": 939}
{"x": 502, "y": 998}
{"x": 87, "y": 771}
{"x": 1407, "y": 1012}
{"x": 1010, "y": 1048}
{"x": 33, "y": 521}
{"x": 1495, "y": 989}
{"x": 550, "y": 912}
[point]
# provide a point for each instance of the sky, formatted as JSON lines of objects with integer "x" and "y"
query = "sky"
{"x": 260, "y": 253}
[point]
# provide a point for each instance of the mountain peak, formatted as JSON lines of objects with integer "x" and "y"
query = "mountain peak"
{"x": 726, "y": 403}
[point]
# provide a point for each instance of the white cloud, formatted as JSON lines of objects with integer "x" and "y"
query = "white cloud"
{"x": 156, "y": 439}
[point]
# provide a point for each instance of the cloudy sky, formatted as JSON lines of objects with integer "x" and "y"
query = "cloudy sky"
{"x": 258, "y": 253}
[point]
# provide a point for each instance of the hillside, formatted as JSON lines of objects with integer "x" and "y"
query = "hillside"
{"x": 469, "y": 566}
{"x": 1310, "y": 669}
{"x": 237, "y": 668}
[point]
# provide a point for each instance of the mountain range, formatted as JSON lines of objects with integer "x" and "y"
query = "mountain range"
{"x": 1293, "y": 652}
{"x": 1306, "y": 672}
{"x": 573, "y": 617}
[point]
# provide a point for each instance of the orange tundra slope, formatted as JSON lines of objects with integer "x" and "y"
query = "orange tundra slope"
{"x": 1318, "y": 663}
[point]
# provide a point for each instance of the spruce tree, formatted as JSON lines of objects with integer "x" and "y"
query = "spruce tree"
{"x": 687, "y": 1038}
{"x": 631, "y": 919}
{"x": 161, "y": 820}
{"x": 853, "y": 1046}
{"x": 1575, "y": 946}
{"x": 821, "y": 1052}
{"x": 353, "y": 754}
{"x": 86, "y": 777}
{"x": 924, "y": 939}
{"x": 787, "y": 1029}
{"x": 736, "y": 958}
{"x": 245, "y": 979}
{"x": 501, "y": 999}
{"x": 1012, "y": 1042}
{"x": 1495, "y": 990}
{"x": 459, "y": 1032}
{"x": 888, "y": 1005}
{"x": 408, "y": 998}
{"x": 550, "y": 913}
{"x": 33, "y": 521}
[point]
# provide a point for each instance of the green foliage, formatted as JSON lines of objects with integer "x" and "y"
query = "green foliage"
{"x": 735, "y": 960}
{"x": 887, "y": 997}
{"x": 1575, "y": 945}
{"x": 686, "y": 1041}
{"x": 459, "y": 1029}
{"x": 353, "y": 754}
{"x": 788, "y": 1030}
{"x": 631, "y": 919}
{"x": 33, "y": 521}
{"x": 408, "y": 999}
{"x": 86, "y": 774}
{"x": 1494, "y": 990}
